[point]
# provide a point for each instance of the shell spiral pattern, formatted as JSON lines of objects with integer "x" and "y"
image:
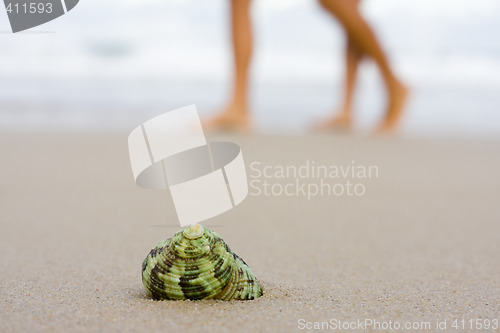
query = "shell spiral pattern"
{"x": 196, "y": 263}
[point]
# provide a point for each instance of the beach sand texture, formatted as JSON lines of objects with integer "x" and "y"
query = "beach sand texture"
{"x": 421, "y": 245}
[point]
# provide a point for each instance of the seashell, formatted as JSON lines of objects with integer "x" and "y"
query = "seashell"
{"x": 196, "y": 263}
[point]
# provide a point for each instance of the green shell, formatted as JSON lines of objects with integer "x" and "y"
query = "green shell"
{"x": 196, "y": 263}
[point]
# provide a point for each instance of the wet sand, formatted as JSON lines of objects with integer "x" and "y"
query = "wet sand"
{"x": 421, "y": 245}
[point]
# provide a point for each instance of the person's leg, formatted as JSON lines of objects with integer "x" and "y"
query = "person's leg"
{"x": 361, "y": 34}
{"x": 343, "y": 118}
{"x": 235, "y": 115}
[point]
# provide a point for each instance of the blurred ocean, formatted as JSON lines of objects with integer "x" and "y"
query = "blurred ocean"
{"x": 110, "y": 64}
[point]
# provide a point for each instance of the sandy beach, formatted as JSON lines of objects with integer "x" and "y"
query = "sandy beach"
{"x": 420, "y": 245}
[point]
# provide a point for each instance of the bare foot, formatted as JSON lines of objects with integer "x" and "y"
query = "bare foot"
{"x": 398, "y": 95}
{"x": 342, "y": 122}
{"x": 229, "y": 120}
